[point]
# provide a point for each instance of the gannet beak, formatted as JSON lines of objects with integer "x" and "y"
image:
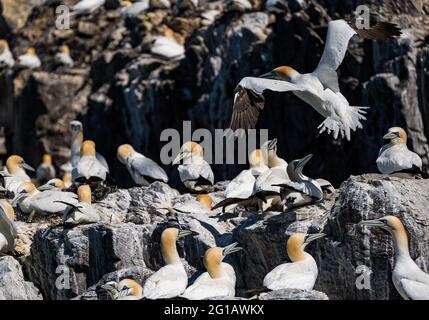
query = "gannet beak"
{"x": 109, "y": 286}
{"x": 185, "y": 233}
{"x": 390, "y": 136}
{"x": 269, "y": 75}
{"x": 179, "y": 158}
{"x": 27, "y": 167}
{"x": 231, "y": 249}
{"x": 6, "y": 175}
{"x": 302, "y": 162}
{"x": 373, "y": 223}
{"x": 312, "y": 237}
{"x": 17, "y": 198}
{"x": 272, "y": 144}
{"x": 45, "y": 187}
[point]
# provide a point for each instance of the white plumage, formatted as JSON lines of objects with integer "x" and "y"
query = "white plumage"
{"x": 167, "y": 47}
{"x": 30, "y": 60}
{"x": 89, "y": 167}
{"x": 6, "y": 57}
{"x": 87, "y": 6}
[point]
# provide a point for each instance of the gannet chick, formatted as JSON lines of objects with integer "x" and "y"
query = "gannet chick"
{"x": 8, "y": 232}
{"x": 320, "y": 88}
{"x": 143, "y": 170}
{"x": 395, "y": 156}
{"x": 86, "y": 6}
{"x": 67, "y": 180}
{"x": 6, "y": 57}
{"x": 53, "y": 184}
{"x": 170, "y": 281}
{"x": 63, "y": 56}
{"x": 45, "y": 171}
{"x": 82, "y": 212}
{"x": 195, "y": 173}
{"x": 15, "y": 173}
{"x": 167, "y": 47}
{"x": 409, "y": 280}
{"x": 126, "y": 289}
{"x": 219, "y": 280}
{"x": 159, "y": 4}
{"x": 302, "y": 272}
{"x": 88, "y": 167}
{"x": 132, "y": 9}
{"x": 30, "y": 59}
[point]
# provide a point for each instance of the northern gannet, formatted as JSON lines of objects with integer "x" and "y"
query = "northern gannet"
{"x": 82, "y": 212}
{"x": 319, "y": 89}
{"x": 142, "y": 169}
{"x": 15, "y": 173}
{"x": 167, "y": 47}
{"x": 129, "y": 8}
{"x": 201, "y": 204}
{"x": 30, "y": 59}
{"x": 63, "y": 56}
{"x": 87, "y": 6}
{"x": 53, "y": 184}
{"x": 68, "y": 180}
{"x": 45, "y": 171}
{"x": 302, "y": 272}
{"x": 8, "y": 232}
{"x": 195, "y": 173}
{"x": 410, "y": 281}
{"x": 395, "y": 156}
{"x": 89, "y": 168}
{"x": 219, "y": 280}
{"x": 6, "y": 57}
{"x": 159, "y": 4}
{"x": 170, "y": 281}
{"x": 126, "y": 289}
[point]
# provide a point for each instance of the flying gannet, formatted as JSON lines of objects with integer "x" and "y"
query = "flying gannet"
{"x": 8, "y": 232}
{"x": 30, "y": 59}
{"x": 63, "y": 56}
{"x": 15, "y": 173}
{"x": 302, "y": 272}
{"x": 82, "y": 212}
{"x": 86, "y": 6}
{"x": 89, "y": 168}
{"x": 142, "y": 169}
{"x": 410, "y": 281}
{"x": 45, "y": 171}
{"x": 319, "y": 89}
{"x": 219, "y": 280}
{"x": 195, "y": 173}
{"x": 6, "y": 57}
{"x": 126, "y": 289}
{"x": 395, "y": 156}
{"x": 53, "y": 184}
{"x": 170, "y": 281}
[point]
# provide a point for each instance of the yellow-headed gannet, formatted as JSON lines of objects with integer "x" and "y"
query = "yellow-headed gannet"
{"x": 53, "y": 184}
{"x": 8, "y": 232}
{"x": 30, "y": 59}
{"x": 89, "y": 168}
{"x": 167, "y": 47}
{"x": 319, "y": 89}
{"x": 6, "y": 57}
{"x": 143, "y": 170}
{"x": 219, "y": 280}
{"x": 302, "y": 272}
{"x": 87, "y": 6}
{"x": 129, "y": 8}
{"x": 126, "y": 289}
{"x": 395, "y": 156}
{"x": 170, "y": 281}
{"x": 201, "y": 204}
{"x": 67, "y": 179}
{"x": 82, "y": 212}
{"x": 195, "y": 173}
{"x": 15, "y": 173}
{"x": 63, "y": 56}
{"x": 410, "y": 281}
{"x": 45, "y": 171}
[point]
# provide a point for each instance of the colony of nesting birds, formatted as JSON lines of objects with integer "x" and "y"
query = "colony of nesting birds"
{"x": 270, "y": 183}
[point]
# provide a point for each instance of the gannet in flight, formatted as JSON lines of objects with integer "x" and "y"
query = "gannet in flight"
{"x": 195, "y": 173}
{"x": 6, "y": 57}
{"x": 302, "y": 272}
{"x": 63, "y": 56}
{"x": 126, "y": 289}
{"x": 89, "y": 168}
{"x": 219, "y": 280}
{"x": 82, "y": 212}
{"x": 410, "y": 281}
{"x": 142, "y": 169}
{"x": 15, "y": 173}
{"x": 319, "y": 89}
{"x": 86, "y": 6}
{"x": 395, "y": 156}
{"x": 45, "y": 171}
{"x": 8, "y": 232}
{"x": 53, "y": 184}
{"x": 133, "y": 8}
{"x": 30, "y": 59}
{"x": 170, "y": 281}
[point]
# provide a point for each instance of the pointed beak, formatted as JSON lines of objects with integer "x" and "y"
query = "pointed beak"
{"x": 302, "y": 162}
{"x": 372, "y": 223}
{"x": 272, "y": 144}
{"x": 269, "y": 75}
{"x": 185, "y": 233}
{"x": 315, "y": 236}
{"x": 46, "y": 187}
{"x": 178, "y": 158}
{"x": 18, "y": 198}
{"x": 390, "y": 136}
{"x": 27, "y": 167}
{"x": 232, "y": 248}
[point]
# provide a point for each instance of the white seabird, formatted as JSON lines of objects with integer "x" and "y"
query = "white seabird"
{"x": 8, "y": 232}
{"x": 195, "y": 173}
{"x": 45, "y": 171}
{"x": 86, "y": 6}
{"x": 30, "y": 59}
{"x": 6, "y": 57}
{"x": 395, "y": 156}
{"x": 53, "y": 184}
{"x": 89, "y": 168}
{"x": 410, "y": 281}
{"x": 320, "y": 88}
{"x": 219, "y": 280}
{"x": 201, "y": 204}
{"x": 83, "y": 212}
{"x": 170, "y": 281}
{"x": 129, "y": 8}
{"x": 302, "y": 272}
{"x": 142, "y": 169}
{"x": 167, "y": 47}
{"x": 63, "y": 56}
{"x": 15, "y": 173}
{"x": 126, "y": 289}
{"x": 67, "y": 180}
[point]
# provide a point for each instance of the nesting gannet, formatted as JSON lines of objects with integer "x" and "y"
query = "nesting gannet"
{"x": 68, "y": 180}
{"x": 45, "y": 171}
{"x": 170, "y": 281}
{"x": 167, "y": 47}
{"x": 302, "y": 272}
{"x": 89, "y": 168}
{"x": 63, "y": 56}
{"x": 195, "y": 173}
{"x": 86, "y": 6}
{"x": 53, "y": 184}
{"x": 126, "y": 289}
{"x": 202, "y": 204}
{"x": 82, "y": 212}
{"x": 15, "y": 173}
{"x": 30, "y": 59}
{"x": 143, "y": 170}
{"x": 410, "y": 281}
{"x": 219, "y": 280}
{"x": 319, "y": 89}
{"x": 133, "y": 8}
{"x": 6, "y": 57}
{"x": 395, "y": 156}
{"x": 8, "y": 232}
